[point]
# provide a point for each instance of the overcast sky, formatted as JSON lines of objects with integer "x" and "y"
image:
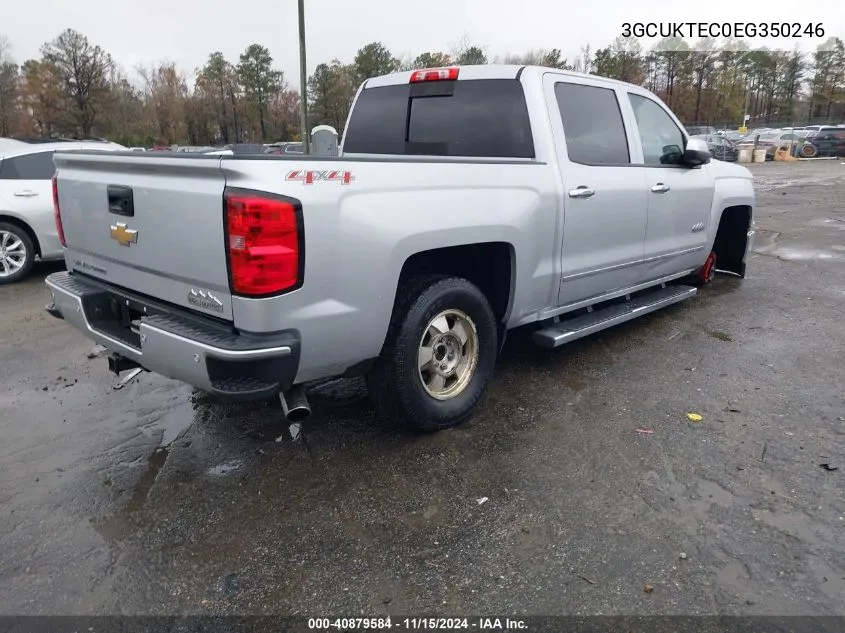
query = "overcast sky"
{"x": 186, "y": 31}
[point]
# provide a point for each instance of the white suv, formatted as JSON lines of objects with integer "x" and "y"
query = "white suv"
{"x": 27, "y": 227}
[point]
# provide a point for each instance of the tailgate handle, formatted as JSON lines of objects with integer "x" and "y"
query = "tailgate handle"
{"x": 120, "y": 200}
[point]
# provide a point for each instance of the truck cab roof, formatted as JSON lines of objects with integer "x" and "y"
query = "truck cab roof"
{"x": 491, "y": 71}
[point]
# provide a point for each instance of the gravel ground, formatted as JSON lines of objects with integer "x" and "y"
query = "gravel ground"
{"x": 154, "y": 499}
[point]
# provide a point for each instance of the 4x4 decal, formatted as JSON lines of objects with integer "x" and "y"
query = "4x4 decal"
{"x": 310, "y": 177}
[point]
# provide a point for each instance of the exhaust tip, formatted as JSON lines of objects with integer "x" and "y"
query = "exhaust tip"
{"x": 295, "y": 404}
{"x": 300, "y": 414}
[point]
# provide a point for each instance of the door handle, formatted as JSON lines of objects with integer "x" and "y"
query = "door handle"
{"x": 581, "y": 192}
{"x": 26, "y": 193}
{"x": 660, "y": 188}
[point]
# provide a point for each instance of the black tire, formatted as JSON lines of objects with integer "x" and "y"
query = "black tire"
{"x": 19, "y": 234}
{"x": 395, "y": 383}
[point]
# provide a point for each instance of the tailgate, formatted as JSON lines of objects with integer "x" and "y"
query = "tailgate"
{"x": 152, "y": 224}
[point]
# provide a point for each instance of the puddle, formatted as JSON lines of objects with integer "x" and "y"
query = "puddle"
{"x": 798, "y": 526}
{"x": 768, "y": 243}
{"x": 174, "y": 424}
{"x": 765, "y": 183}
{"x": 736, "y": 577}
{"x": 831, "y": 581}
{"x": 798, "y": 254}
{"x": 836, "y": 223}
{"x": 712, "y": 492}
{"x": 127, "y": 519}
{"x": 226, "y": 468}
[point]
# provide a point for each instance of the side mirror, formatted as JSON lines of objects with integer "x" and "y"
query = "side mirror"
{"x": 696, "y": 153}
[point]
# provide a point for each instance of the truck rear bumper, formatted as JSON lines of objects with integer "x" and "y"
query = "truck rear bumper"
{"x": 175, "y": 343}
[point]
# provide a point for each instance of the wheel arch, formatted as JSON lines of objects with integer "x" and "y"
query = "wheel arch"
{"x": 731, "y": 240}
{"x": 489, "y": 265}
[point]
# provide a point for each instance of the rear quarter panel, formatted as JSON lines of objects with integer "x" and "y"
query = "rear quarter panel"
{"x": 358, "y": 237}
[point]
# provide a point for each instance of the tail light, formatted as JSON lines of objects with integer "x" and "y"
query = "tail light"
{"x": 264, "y": 242}
{"x": 434, "y": 74}
{"x": 56, "y": 211}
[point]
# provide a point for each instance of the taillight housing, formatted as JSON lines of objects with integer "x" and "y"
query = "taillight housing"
{"x": 57, "y": 214}
{"x": 434, "y": 74}
{"x": 264, "y": 242}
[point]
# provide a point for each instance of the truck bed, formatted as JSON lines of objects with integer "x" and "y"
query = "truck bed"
{"x": 362, "y": 218}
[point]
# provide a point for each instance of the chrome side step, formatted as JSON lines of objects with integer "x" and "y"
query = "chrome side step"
{"x": 614, "y": 314}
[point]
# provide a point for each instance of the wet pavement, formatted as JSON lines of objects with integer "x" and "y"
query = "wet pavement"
{"x": 154, "y": 499}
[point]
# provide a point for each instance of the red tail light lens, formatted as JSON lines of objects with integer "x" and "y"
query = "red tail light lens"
{"x": 264, "y": 242}
{"x": 434, "y": 74}
{"x": 57, "y": 212}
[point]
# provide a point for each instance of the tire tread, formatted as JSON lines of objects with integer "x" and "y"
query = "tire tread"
{"x": 386, "y": 382}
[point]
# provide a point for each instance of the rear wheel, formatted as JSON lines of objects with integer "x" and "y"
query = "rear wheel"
{"x": 439, "y": 354}
{"x": 17, "y": 253}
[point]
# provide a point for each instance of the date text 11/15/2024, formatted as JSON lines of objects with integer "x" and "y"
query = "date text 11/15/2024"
{"x": 413, "y": 624}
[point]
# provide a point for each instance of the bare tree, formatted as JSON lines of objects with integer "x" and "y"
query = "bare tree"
{"x": 165, "y": 92}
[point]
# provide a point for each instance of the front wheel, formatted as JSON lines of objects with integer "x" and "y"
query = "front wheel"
{"x": 707, "y": 273}
{"x": 439, "y": 354}
{"x": 17, "y": 253}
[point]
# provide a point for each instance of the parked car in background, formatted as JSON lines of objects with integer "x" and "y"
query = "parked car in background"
{"x": 731, "y": 135}
{"x": 699, "y": 130}
{"x": 27, "y": 227}
{"x": 720, "y": 147}
{"x": 828, "y": 141}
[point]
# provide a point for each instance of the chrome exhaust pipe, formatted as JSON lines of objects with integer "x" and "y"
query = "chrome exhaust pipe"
{"x": 295, "y": 404}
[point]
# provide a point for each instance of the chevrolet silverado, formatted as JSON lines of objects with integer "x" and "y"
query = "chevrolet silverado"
{"x": 464, "y": 202}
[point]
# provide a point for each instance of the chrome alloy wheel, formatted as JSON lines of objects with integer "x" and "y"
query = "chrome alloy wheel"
{"x": 12, "y": 254}
{"x": 448, "y": 354}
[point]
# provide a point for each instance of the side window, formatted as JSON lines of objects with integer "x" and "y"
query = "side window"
{"x": 38, "y": 166}
{"x": 662, "y": 140}
{"x": 592, "y": 123}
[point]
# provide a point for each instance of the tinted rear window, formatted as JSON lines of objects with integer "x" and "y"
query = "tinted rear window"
{"x": 484, "y": 118}
{"x": 592, "y": 123}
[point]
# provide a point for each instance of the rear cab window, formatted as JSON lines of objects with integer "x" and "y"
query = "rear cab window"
{"x": 592, "y": 124}
{"x": 473, "y": 118}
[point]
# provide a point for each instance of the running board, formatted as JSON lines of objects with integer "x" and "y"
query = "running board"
{"x": 603, "y": 318}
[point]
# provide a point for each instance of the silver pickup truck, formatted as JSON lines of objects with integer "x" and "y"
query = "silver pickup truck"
{"x": 465, "y": 202}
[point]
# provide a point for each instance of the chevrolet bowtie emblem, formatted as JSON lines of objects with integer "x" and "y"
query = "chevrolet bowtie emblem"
{"x": 125, "y": 236}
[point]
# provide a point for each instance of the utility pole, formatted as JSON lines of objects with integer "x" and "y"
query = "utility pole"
{"x": 303, "y": 82}
{"x": 745, "y": 110}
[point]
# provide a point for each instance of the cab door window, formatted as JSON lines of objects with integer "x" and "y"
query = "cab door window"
{"x": 662, "y": 140}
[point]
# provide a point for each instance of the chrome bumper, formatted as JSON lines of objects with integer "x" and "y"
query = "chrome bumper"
{"x": 174, "y": 343}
